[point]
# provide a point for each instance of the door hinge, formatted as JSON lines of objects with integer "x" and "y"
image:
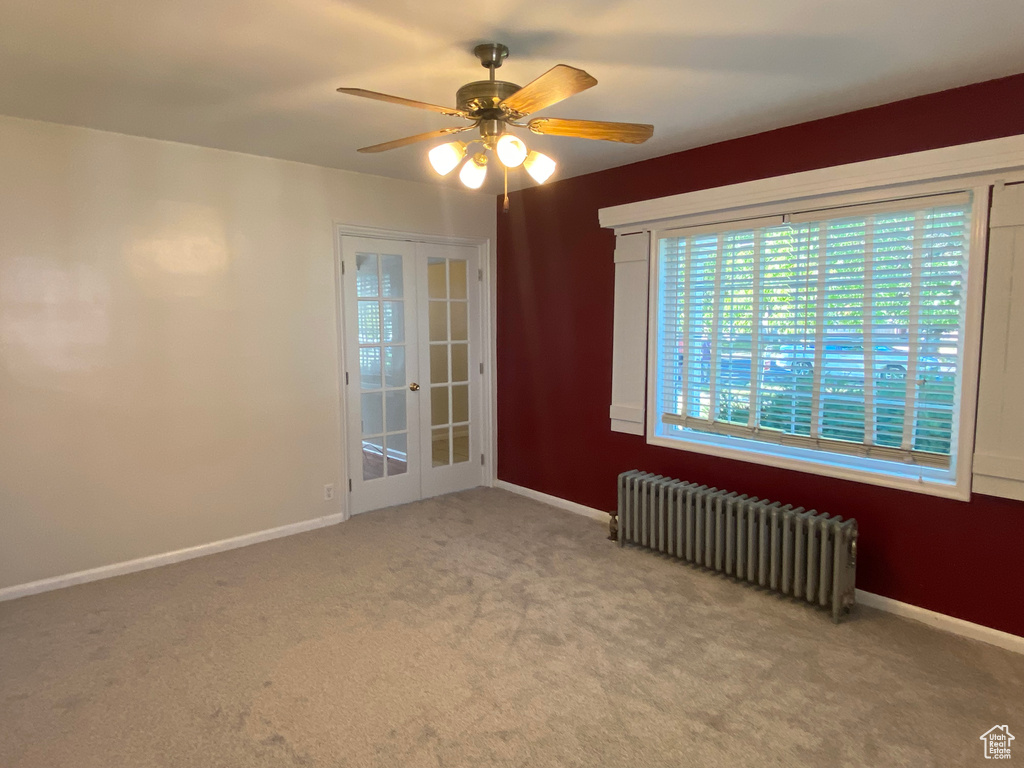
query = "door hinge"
{"x": 480, "y": 275}
{"x": 343, "y": 267}
{"x": 481, "y": 368}
{"x": 350, "y": 485}
{"x": 481, "y": 459}
{"x": 346, "y": 377}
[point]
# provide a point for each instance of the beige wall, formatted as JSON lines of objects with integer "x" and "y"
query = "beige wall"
{"x": 168, "y": 342}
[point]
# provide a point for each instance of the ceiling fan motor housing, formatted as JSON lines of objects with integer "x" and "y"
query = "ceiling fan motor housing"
{"x": 481, "y": 98}
{"x": 484, "y": 95}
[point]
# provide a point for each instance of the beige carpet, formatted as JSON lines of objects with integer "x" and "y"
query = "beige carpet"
{"x": 479, "y": 629}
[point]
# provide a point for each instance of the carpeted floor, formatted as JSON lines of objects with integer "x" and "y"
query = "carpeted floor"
{"x": 480, "y": 629}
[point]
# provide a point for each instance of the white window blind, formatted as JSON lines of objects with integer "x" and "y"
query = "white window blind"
{"x": 841, "y": 331}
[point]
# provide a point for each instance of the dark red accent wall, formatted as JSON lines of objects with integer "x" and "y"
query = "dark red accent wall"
{"x": 555, "y": 284}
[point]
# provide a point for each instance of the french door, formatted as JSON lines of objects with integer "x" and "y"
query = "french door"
{"x": 413, "y": 400}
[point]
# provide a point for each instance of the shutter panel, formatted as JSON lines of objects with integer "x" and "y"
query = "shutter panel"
{"x": 629, "y": 345}
{"x": 999, "y": 448}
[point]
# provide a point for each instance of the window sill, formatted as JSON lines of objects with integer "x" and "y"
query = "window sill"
{"x": 870, "y": 472}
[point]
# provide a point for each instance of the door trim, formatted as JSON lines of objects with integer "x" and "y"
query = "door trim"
{"x": 487, "y": 337}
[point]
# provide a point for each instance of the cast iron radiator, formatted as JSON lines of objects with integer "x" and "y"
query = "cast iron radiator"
{"x": 802, "y": 553}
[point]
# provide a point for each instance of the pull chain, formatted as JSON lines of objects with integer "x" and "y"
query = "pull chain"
{"x": 506, "y": 191}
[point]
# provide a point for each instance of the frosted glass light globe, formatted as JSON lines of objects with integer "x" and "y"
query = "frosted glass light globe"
{"x": 539, "y": 166}
{"x": 444, "y": 158}
{"x": 511, "y": 150}
{"x": 474, "y": 171}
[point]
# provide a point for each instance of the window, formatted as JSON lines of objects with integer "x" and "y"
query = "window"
{"x": 835, "y": 337}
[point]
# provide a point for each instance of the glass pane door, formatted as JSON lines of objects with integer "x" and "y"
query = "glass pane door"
{"x": 383, "y": 398}
{"x": 413, "y": 399}
{"x": 382, "y": 380}
{"x": 449, "y": 361}
{"x": 449, "y": 313}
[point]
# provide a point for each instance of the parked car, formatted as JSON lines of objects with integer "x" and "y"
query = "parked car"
{"x": 843, "y": 359}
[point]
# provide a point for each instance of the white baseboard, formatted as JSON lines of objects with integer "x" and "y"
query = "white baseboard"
{"x": 554, "y": 501}
{"x": 155, "y": 561}
{"x": 941, "y": 621}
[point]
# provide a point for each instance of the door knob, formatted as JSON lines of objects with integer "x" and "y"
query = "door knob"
{"x": 414, "y": 387}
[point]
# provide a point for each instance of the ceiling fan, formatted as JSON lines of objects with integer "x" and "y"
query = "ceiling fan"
{"x": 494, "y": 105}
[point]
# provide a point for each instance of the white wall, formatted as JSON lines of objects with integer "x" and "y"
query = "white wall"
{"x": 168, "y": 341}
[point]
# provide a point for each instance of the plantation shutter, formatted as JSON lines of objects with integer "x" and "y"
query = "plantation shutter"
{"x": 998, "y": 448}
{"x": 838, "y": 330}
{"x": 629, "y": 345}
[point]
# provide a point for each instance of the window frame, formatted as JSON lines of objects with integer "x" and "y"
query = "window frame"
{"x": 859, "y": 469}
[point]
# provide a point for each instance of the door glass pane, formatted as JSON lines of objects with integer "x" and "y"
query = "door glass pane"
{"x": 384, "y": 401}
{"x": 394, "y": 321}
{"x": 373, "y": 458}
{"x": 369, "y": 367}
{"x": 372, "y": 410}
{"x": 398, "y": 457}
{"x": 369, "y": 322}
{"x": 391, "y": 276}
{"x": 436, "y": 288}
{"x": 457, "y": 279}
{"x": 459, "y": 322}
{"x": 460, "y": 444}
{"x": 380, "y": 333}
{"x": 439, "y": 446}
{"x": 460, "y": 362}
{"x": 395, "y": 410}
{"x": 438, "y": 363}
{"x": 460, "y": 402}
{"x": 439, "y": 321}
{"x": 394, "y": 366}
{"x": 366, "y": 274}
{"x": 439, "y": 405}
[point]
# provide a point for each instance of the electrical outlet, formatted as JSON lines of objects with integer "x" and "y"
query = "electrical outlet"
{"x": 328, "y": 491}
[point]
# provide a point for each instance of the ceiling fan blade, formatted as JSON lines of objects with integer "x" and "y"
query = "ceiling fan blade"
{"x": 559, "y": 82}
{"x": 451, "y": 111}
{"x": 418, "y": 137}
{"x": 629, "y": 133}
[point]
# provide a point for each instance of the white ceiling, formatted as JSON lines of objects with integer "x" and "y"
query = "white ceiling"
{"x": 258, "y": 76}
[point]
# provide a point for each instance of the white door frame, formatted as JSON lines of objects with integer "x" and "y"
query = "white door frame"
{"x": 487, "y": 339}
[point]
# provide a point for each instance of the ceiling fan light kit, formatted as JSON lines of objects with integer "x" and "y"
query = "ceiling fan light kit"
{"x": 444, "y": 158}
{"x": 493, "y": 105}
{"x": 474, "y": 171}
{"x": 539, "y": 166}
{"x": 511, "y": 150}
